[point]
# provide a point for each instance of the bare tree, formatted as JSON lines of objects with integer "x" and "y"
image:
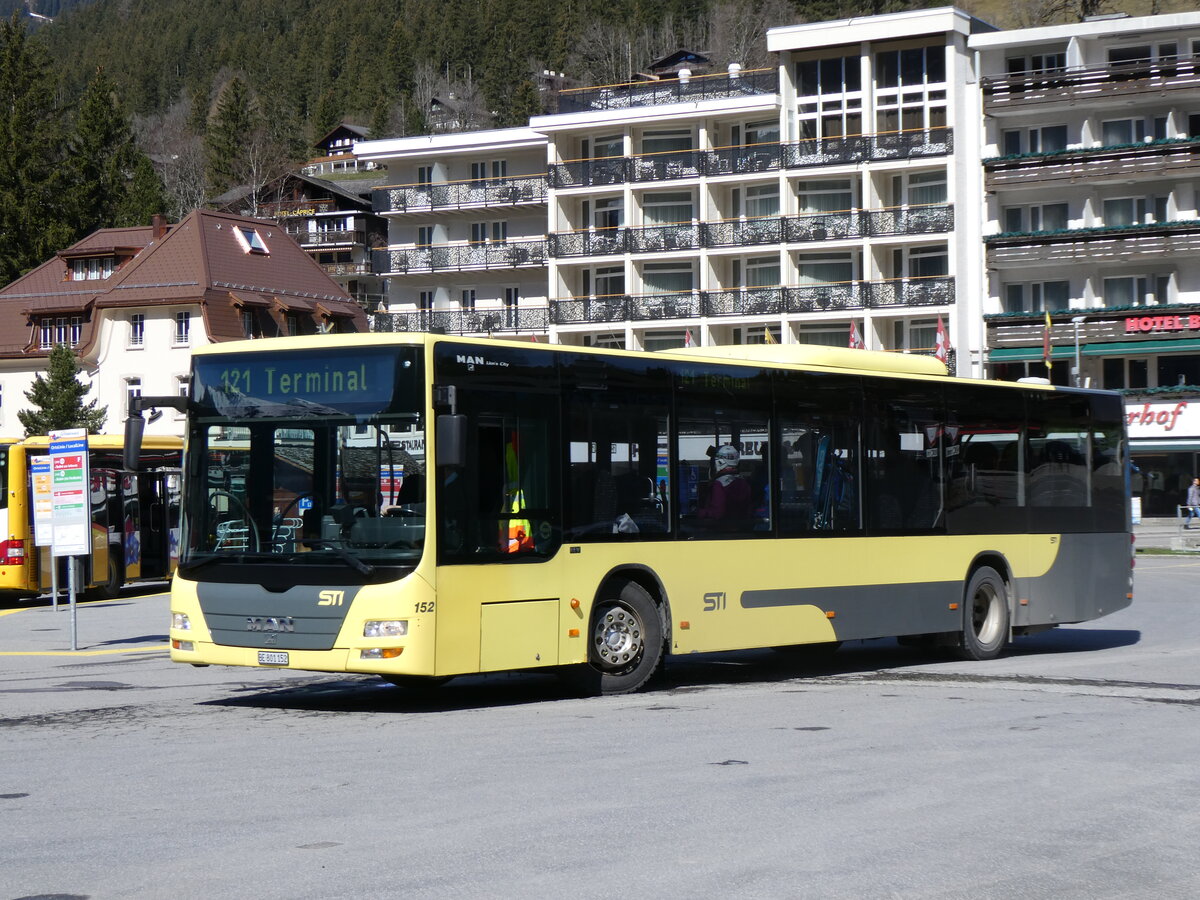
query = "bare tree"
{"x": 738, "y": 33}
{"x": 177, "y": 154}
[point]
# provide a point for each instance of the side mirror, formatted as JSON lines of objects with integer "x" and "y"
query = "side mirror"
{"x": 135, "y": 426}
{"x": 452, "y": 440}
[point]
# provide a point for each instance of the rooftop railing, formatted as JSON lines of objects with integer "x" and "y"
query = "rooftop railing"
{"x": 1086, "y": 82}
{"x": 689, "y": 89}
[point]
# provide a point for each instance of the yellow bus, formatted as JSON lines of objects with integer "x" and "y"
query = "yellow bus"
{"x": 135, "y": 517}
{"x": 422, "y": 506}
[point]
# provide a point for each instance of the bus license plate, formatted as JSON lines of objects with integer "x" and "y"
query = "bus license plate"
{"x": 272, "y": 658}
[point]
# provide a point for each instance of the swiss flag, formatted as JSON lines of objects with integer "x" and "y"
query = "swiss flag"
{"x": 943, "y": 342}
{"x": 856, "y": 341}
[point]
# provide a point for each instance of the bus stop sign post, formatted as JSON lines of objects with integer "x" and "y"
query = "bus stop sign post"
{"x": 70, "y": 508}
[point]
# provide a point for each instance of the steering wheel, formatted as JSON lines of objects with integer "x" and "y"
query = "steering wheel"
{"x": 283, "y": 515}
{"x": 252, "y": 542}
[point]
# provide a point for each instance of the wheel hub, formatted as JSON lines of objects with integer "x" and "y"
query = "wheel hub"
{"x": 618, "y": 637}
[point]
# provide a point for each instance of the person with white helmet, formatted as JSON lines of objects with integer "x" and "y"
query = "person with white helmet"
{"x": 728, "y": 493}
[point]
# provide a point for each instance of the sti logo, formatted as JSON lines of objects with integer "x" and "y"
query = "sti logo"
{"x": 331, "y": 598}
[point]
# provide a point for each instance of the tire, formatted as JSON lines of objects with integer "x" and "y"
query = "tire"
{"x": 985, "y": 615}
{"x": 625, "y": 642}
{"x": 110, "y": 589}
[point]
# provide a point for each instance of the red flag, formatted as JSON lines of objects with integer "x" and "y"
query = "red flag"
{"x": 942, "y": 351}
{"x": 687, "y": 339}
{"x": 856, "y": 341}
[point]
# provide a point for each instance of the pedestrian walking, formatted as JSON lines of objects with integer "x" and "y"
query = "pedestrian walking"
{"x": 1193, "y": 503}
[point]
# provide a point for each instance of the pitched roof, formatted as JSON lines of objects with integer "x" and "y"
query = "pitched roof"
{"x": 200, "y": 260}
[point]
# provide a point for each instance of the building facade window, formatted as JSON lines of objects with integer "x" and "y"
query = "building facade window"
{"x": 183, "y": 326}
{"x": 60, "y": 330}
{"x": 137, "y": 330}
{"x": 133, "y": 390}
{"x": 1039, "y": 217}
{"x": 829, "y": 97}
{"x": 604, "y": 281}
{"x": 1037, "y": 296}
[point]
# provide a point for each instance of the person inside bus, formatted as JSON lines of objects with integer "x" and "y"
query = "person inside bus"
{"x": 729, "y": 497}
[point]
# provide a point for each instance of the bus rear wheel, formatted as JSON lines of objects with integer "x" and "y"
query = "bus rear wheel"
{"x": 985, "y": 615}
{"x": 625, "y": 642}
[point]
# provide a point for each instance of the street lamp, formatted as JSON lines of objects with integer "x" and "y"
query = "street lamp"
{"x": 1077, "y": 321}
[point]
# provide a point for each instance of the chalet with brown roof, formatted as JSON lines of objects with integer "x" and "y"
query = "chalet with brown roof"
{"x": 134, "y": 302}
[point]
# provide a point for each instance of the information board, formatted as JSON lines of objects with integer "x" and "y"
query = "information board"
{"x": 43, "y": 500}
{"x": 70, "y": 506}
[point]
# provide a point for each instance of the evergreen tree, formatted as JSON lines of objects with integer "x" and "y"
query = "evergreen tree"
{"x": 57, "y": 400}
{"x": 228, "y": 135}
{"x": 105, "y": 161}
{"x": 33, "y": 221}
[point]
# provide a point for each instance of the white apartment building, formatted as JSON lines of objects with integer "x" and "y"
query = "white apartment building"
{"x": 748, "y": 206}
{"x": 889, "y": 172}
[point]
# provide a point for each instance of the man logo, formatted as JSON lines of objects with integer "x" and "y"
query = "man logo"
{"x": 331, "y": 598}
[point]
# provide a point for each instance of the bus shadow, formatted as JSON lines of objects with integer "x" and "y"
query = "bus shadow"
{"x": 683, "y": 674}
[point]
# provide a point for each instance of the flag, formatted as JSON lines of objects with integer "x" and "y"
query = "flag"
{"x": 856, "y": 341}
{"x": 769, "y": 338}
{"x": 687, "y": 339}
{"x": 1046, "y": 343}
{"x": 942, "y": 351}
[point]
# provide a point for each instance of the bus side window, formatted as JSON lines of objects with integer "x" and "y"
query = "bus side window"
{"x": 905, "y": 458}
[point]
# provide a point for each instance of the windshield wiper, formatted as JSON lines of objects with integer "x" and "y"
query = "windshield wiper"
{"x": 348, "y": 558}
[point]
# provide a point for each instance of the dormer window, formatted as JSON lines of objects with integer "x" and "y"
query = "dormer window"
{"x": 93, "y": 269}
{"x": 60, "y": 330}
{"x": 250, "y": 240}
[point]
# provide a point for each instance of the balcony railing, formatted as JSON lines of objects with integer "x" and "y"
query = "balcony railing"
{"x": 1156, "y": 159}
{"x": 753, "y": 82}
{"x": 827, "y": 226}
{"x": 1084, "y": 83}
{"x": 465, "y": 321}
{"x": 324, "y": 238}
{"x": 453, "y": 257}
{"x": 752, "y": 301}
{"x": 485, "y": 192}
{"x": 678, "y": 164}
{"x": 1089, "y": 245}
{"x": 358, "y": 268}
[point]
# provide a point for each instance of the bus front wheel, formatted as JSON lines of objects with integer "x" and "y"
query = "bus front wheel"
{"x": 625, "y": 642}
{"x": 985, "y": 615}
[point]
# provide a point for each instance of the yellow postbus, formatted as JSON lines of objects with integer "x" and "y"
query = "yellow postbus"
{"x": 135, "y": 517}
{"x": 422, "y": 506}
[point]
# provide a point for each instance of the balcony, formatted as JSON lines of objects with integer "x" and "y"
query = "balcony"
{"x": 458, "y": 257}
{"x": 358, "y": 268}
{"x": 446, "y": 195}
{"x": 326, "y": 238}
{"x": 464, "y": 321}
{"x": 812, "y": 227}
{"x": 753, "y": 82}
{"x": 881, "y": 147}
{"x": 754, "y": 301}
{"x": 1072, "y": 85}
{"x": 1122, "y": 162}
{"x": 1093, "y": 245}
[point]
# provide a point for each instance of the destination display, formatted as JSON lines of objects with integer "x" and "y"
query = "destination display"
{"x": 299, "y": 383}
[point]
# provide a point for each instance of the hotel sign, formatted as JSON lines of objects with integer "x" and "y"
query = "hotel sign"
{"x": 1173, "y": 418}
{"x": 1157, "y": 324}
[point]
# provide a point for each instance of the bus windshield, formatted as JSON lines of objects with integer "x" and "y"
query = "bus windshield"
{"x": 307, "y": 465}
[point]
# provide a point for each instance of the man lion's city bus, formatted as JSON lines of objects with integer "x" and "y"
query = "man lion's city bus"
{"x": 422, "y": 506}
{"x": 135, "y": 517}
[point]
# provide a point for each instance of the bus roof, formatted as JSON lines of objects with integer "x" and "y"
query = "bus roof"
{"x": 809, "y": 356}
{"x": 114, "y": 441}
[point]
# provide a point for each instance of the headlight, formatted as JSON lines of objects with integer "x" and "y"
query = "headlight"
{"x": 180, "y": 622}
{"x": 386, "y": 628}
